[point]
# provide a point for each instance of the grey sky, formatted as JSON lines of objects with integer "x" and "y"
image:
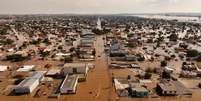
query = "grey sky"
{"x": 98, "y": 6}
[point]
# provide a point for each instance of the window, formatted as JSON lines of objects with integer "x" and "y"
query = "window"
{"x": 74, "y": 70}
{"x": 170, "y": 92}
{"x": 165, "y": 92}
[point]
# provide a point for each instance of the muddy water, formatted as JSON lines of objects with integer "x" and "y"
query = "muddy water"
{"x": 98, "y": 86}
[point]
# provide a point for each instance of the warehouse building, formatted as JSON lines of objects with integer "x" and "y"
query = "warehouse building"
{"x": 29, "y": 83}
{"x": 75, "y": 68}
{"x": 69, "y": 85}
{"x": 26, "y": 86}
{"x": 136, "y": 90}
{"x": 121, "y": 86}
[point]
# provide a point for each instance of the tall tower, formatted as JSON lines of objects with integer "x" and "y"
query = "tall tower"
{"x": 99, "y": 24}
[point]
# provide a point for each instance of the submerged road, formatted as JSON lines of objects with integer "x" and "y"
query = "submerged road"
{"x": 102, "y": 64}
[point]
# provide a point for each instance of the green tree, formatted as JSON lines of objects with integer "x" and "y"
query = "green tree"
{"x": 16, "y": 57}
{"x": 163, "y": 63}
{"x": 192, "y": 53}
{"x": 147, "y": 75}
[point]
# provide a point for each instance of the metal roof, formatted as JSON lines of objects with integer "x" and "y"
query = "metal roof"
{"x": 69, "y": 81}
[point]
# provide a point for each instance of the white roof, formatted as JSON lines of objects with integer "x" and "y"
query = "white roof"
{"x": 63, "y": 54}
{"x": 120, "y": 86}
{"x": 53, "y": 71}
{"x": 168, "y": 68}
{"x": 26, "y": 68}
{"x": 10, "y": 50}
{"x": 3, "y": 68}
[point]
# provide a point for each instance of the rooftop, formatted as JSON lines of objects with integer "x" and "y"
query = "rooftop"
{"x": 27, "y": 82}
{"x": 69, "y": 81}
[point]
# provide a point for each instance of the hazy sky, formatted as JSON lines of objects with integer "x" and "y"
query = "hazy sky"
{"x": 98, "y": 6}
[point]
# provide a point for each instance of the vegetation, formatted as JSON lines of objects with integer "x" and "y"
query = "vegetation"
{"x": 192, "y": 53}
{"x": 72, "y": 49}
{"x": 163, "y": 63}
{"x": 6, "y": 41}
{"x": 3, "y": 31}
{"x": 16, "y": 57}
{"x": 173, "y": 37}
{"x": 147, "y": 75}
{"x": 68, "y": 59}
{"x": 46, "y": 41}
{"x": 150, "y": 70}
{"x": 60, "y": 47}
{"x": 35, "y": 42}
{"x": 77, "y": 51}
{"x": 100, "y": 32}
{"x": 132, "y": 44}
{"x": 166, "y": 75}
{"x": 44, "y": 54}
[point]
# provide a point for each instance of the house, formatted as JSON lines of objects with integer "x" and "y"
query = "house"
{"x": 121, "y": 86}
{"x": 123, "y": 65}
{"x": 29, "y": 83}
{"x": 166, "y": 88}
{"x": 75, "y": 68}
{"x": 188, "y": 74}
{"x": 118, "y": 53}
{"x": 136, "y": 90}
{"x": 130, "y": 58}
{"x": 26, "y": 68}
{"x": 119, "y": 65}
{"x": 26, "y": 86}
{"x": 87, "y": 34}
{"x": 53, "y": 72}
{"x": 190, "y": 70}
{"x": 38, "y": 75}
{"x": 135, "y": 66}
{"x": 60, "y": 56}
{"x": 189, "y": 66}
{"x": 168, "y": 69}
{"x": 69, "y": 84}
{"x": 3, "y": 68}
{"x": 86, "y": 42}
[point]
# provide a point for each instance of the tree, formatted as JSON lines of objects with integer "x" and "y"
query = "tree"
{"x": 132, "y": 44}
{"x": 163, "y": 63}
{"x": 149, "y": 70}
{"x": 173, "y": 37}
{"x": 68, "y": 59}
{"x": 60, "y": 47}
{"x": 192, "y": 53}
{"x": 71, "y": 49}
{"x": 16, "y": 57}
{"x": 6, "y": 41}
{"x": 147, "y": 75}
{"x": 166, "y": 75}
{"x": 44, "y": 54}
{"x": 46, "y": 41}
{"x": 35, "y": 42}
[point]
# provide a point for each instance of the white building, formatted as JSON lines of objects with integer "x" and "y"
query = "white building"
{"x": 26, "y": 86}
{"x": 75, "y": 68}
{"x": 3, "y": 68}
{"x": 30, "y": 83}
{"x": 69, "y": 84}
{"x": 25, "y": 68}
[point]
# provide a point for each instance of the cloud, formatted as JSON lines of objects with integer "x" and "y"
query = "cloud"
{"x": 98, "y": 6}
